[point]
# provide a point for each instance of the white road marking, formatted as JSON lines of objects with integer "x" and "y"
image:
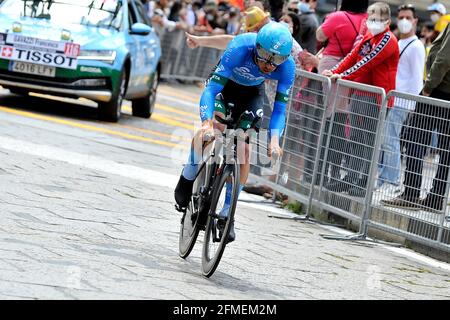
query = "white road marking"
{"x": 90, "y": 162}
{"x": 168, "y": 180}
{"x": 178, "y": 101}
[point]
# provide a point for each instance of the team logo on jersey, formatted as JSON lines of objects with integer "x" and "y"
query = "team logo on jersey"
{"x": 365, "y": 49}
{"x": 246, "y": 74}
{"x": 220, "y": 68}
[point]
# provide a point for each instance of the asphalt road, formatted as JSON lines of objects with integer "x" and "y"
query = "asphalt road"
{"x": 87, "y": 213}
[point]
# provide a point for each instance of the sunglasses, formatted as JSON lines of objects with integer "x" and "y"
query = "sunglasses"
{"x": 268, "y": 57}
{"x": 408, "y": 7}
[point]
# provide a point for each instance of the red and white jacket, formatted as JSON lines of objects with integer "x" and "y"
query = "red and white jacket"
{"x": 373, "y": 61}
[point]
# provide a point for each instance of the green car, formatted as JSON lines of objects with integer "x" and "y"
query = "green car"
{"x": 102, "y": 50}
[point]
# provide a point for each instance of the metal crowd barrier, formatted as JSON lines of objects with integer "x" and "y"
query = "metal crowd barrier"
{"x": 181, "y": 63}
{"x": 421, "y": 172}
{"x": 345, "y": 149}
{"x": 350, "y": 150}
{"x": 305, "y": 116}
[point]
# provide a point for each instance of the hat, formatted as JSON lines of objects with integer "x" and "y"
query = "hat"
{"x": 254, "y": 17}
{"x": 439, "y": 7}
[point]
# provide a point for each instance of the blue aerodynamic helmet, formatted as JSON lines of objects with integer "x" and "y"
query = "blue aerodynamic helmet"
{"x": 274, "y": 43}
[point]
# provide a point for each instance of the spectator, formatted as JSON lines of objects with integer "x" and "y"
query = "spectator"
{"x": 276, "y": 9}
{"x": 174, "y": 12}
{"x": 233, "y": 19}
{"x": 437, "y": 86}
{"x": 254, "y": 19}
{"x": 340, "y": 30}
{"x": 223, "y": 6}
{"x": 292, "y": 21}
{"x": 427, "y": 37}
{"x": 308, "y": 25}
{"x": 374, "y": 62}
{"x": 426, "y": 32}
{"x": 187, "y": 14}
{"x": 214, "y": 23}
{"x": 293, "y": 6}
{"x": 156, "y": 11}
{"x": 409, "y": 80}
{"x": 200, "y": 16}
{"x": 439, "y": 16}
{"x": 394, "y": 29}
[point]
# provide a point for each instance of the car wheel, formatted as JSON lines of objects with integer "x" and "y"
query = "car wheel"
{"x": 110, "y": 111}
{"x": 144, "y": 107}
{"x": 19, "y": 91}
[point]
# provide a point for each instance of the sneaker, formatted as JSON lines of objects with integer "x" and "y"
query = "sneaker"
{"x": 403, "y": 202}
{"x": 432, "y": 203}
{"x": 221, "y": 225}
{"x": 257, "y": 189}
{"x": 183, "y": 192}
{"x": 388, "y": 189}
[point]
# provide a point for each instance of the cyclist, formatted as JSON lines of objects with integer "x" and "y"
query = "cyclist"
{"x": 238, "y": 81}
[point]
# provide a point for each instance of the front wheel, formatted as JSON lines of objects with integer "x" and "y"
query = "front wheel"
{"x": 110, "y": 111}
{"x": 215, "y": 240}
{"x": 143, "y": 107}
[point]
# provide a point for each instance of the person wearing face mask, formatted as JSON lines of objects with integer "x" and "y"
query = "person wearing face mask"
{"x": 439, "y": 16}
{"x": 373, "y": 61}
{"x": 308, "y": 25}
{"x": 424, "y": 120}
{"x": 341, "y": 30}
{"x": 409, "y": 80}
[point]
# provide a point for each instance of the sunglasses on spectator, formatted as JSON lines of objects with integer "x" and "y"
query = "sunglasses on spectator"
{"x": 376, "y": 20}
{"x": 407, "y": 7}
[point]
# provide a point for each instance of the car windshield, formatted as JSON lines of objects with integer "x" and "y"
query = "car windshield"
{"x": 99, "y": 13}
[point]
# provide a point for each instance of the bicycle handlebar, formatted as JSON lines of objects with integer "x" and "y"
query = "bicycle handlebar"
{"x": 229, "y": 122}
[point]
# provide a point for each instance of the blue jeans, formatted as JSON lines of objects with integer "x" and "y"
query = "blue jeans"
{"x": 390, "y": 164}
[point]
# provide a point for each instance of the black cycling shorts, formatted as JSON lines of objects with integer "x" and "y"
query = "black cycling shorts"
{"x": 236, "y": 99}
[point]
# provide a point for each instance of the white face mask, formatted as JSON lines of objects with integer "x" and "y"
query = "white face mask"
{"x": 434, "y": 17}
{"x": 375, "y": 27}
{"x": 405, "y": 26}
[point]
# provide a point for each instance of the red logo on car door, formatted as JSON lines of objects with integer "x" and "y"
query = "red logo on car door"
{"x": 7, "y": 52}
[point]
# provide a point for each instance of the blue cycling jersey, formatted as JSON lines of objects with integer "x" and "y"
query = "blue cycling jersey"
{"x": 238, "y": 64}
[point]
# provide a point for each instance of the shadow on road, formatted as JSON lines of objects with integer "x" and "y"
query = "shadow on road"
{"x": 50, "y": 106}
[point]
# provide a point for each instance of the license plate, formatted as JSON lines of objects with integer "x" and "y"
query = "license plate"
{"x": 31, "y": 68}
